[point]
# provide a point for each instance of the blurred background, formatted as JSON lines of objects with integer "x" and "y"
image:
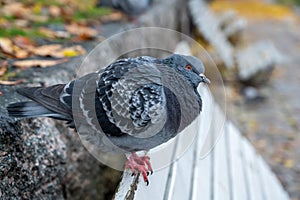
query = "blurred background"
{"x": 255, "y": 45}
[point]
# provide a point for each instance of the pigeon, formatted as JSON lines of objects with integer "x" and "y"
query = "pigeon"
{"x": 130, "y": 7}
{"x": 133, "y": 104}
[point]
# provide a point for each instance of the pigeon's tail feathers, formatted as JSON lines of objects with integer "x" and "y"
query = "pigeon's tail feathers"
{"x": 46, "y": 102}
{"x": 30, "y": 109}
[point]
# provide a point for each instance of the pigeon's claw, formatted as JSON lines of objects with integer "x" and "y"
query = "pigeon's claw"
{"x": 139, "y": 164}
{"x": 146, "y": 160}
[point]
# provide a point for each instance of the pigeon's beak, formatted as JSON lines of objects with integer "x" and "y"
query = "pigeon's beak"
{"x": 204, "y": 79}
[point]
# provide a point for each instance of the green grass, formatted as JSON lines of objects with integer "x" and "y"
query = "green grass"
{"x": 9, "y": 18}
{"x": 58, "y": 20}
{"x": 11, "y": 32}
{"x": 42, "y": 2}
{"x": 92, "y": 13}
{"x": 289, "y": 2}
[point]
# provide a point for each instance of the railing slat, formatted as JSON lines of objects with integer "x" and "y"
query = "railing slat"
{"x": 221, "y": 169}
{"x": 252, "y": 172}
{"x": 236, "y": 163}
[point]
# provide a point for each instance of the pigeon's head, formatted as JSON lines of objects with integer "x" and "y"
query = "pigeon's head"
{"x": 190, "y": 67}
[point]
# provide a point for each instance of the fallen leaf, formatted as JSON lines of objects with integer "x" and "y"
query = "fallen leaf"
{"x": 21, "y": 53}
{"x": 23, "y": 64}
{"x": 22, "y": 41}
{"x": 6, "y": 45}
{"x": 2, "y": 71}
{"x": 11, "y": 82}
{"x": 54, "y": 11}
{"x": 82, "y": 32}
{"x": 1, "y": 93}
{"x": 73, "y": 51}
{"x": 3, "y": 67}
{"x": 56, "y": 50}
{"x": 289, "y": 163}
{"x": 53, "y": 34}
{"x": 46, "y": 50}
{"x": 115, "y": 16}
{"x": 37, "y": 8}
{"x": 47, "y": 32}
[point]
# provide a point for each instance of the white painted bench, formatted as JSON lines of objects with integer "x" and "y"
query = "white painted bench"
{"x": 233, "y": 170}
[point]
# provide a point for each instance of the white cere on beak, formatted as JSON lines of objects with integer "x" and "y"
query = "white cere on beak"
{"x": 205, "y": 80}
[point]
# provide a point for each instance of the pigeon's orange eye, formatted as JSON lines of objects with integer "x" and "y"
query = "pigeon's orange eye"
{"x": 188, "y": 67}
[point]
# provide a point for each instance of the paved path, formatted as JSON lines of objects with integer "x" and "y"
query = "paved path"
{"x": 273, "y": 125}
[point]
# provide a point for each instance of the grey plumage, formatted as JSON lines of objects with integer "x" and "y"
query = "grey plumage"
{"x": 133, "y": 104}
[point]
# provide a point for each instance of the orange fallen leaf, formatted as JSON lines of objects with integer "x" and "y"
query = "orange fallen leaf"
{"x": 0, "y": 93}
{"x": 22, "y": 41}
{"x": 11, "y": 82}
{"x": 24, "y": 64}
{"x": 3, "y": 67}
{"x": 82, "y": 31}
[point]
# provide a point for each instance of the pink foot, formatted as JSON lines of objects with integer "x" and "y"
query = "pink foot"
{"x": 139, "y": 164}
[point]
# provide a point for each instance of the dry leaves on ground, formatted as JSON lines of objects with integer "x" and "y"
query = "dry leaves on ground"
{"x": 83, "y": 32}
{"x": 10, "y": 49}
{"x": 22, "y": 47}
{"x": 22, "y": 22}
{"x": 24, "y": 64}
{"x": 33, "y": 19}
{"x": 56, "y": 50}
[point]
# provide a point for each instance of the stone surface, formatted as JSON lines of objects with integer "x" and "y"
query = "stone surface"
{"x": 32, "y": 158}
